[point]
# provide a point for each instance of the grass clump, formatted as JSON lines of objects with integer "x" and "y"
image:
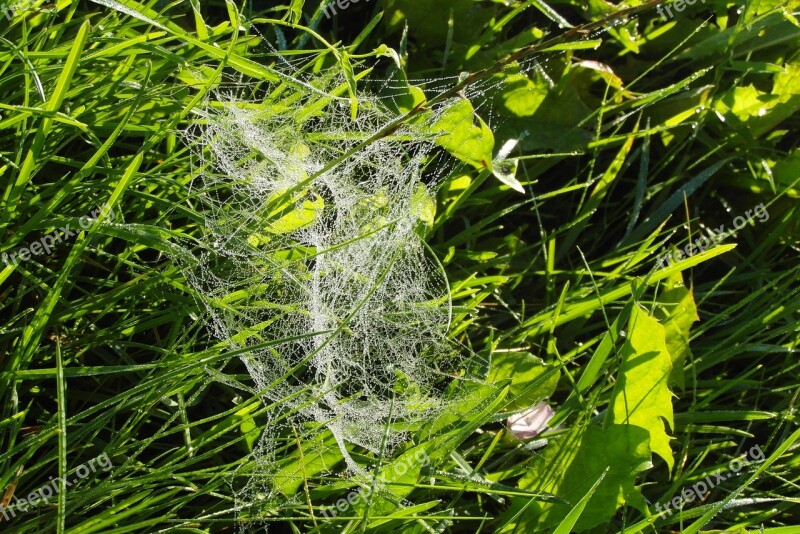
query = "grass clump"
{"x": 397, "y": 250}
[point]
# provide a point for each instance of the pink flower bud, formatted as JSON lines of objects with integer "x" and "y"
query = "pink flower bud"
{"x": 530, "y": 422}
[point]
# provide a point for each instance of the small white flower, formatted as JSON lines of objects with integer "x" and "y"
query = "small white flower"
{"x": 530, "y": 422}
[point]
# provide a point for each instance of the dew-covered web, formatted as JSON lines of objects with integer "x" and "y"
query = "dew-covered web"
{"x": 312, "y": 259}
{"x": 331, "y": 262}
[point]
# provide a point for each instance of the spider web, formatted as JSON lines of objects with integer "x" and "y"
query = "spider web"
{"x": 323, "y": 274}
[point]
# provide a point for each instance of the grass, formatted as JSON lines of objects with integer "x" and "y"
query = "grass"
{"x": 625, "y": 151}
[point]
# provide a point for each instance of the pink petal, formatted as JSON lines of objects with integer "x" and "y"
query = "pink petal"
{"x": 530, "y": 422}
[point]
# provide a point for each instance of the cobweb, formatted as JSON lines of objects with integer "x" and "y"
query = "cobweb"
{"x": 316, "y": 264}
{"x": 313, "y": 260}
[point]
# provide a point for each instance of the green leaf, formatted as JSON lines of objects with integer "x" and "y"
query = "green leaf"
{"x": 399, "y": 94}
{"x": 787, "y": 171}
{"x": 296, "y": 11}
{"x": 347, "y": 67}
{"x": 545, "y": 117}
{"x": 199, "y": 23}
{"x": 518, "y": 95}
{"x": 569, "y": 468}
{"x": 642, "y": 396}
{"x": 465, "y": 135}
{"x": 394, "y": 481}
{"x": 531, "y": 379}
{"x": 424, "y": 206}
{"x": 576, "y": 45}
{"x": 755, "y": 112}
{"x": 677, "y": 313}
{"x": 248, "y": 427}
{"x": 197, "y": 76}
{"x": 760, "y": 7}
{"x": 303, "y": 215}
{"x": 475, "y": 406}
{"x": 566, "y": 526}
{"x": 319, "y": 454}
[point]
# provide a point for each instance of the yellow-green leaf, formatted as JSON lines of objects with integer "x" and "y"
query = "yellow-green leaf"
{"x": 530, "y": 379}
{"x": 569, "y": 467}
{"x": 678, "y": 312}
{"x": 465, "y": 135}
{"x": 642, "y": 396}
{"x": 349, "y": 76}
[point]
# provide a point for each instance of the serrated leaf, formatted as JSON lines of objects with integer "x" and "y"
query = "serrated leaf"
{"x": 642, "y": 396}
{"x": 568, "y": 467}
{"x": 678, "y": 313}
